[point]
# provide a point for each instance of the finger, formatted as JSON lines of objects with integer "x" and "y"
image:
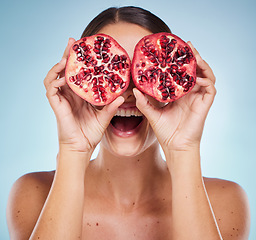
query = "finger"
{"x": 143, "y": 104}
{"x": 112, "y": 107}
{"x": 54, "y": 72}
{"x": 203, "y": 68}
{"x": 66, "y": 54}
{"x": 107, "y": 113}
{"x": 208, "y": 88}
{"x": 70, "y": 43}
{"x": 53, "y": 94}
{"x": 53, "y": 87}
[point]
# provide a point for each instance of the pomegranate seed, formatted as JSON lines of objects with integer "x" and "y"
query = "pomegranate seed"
{"x": 123, "y": 57}
{"x": 80, "y": 59}
{"x": 82, "y": 44}
{"x": 163, "y": 64}
{"x": 100, "y": 38}
{"x": 75, "y": 47}
{"x": 144, "y": 78}
{"x": 123, "y": 85}
{"x": 180, "y": 62}
{"x": 120, "y": 65}
{"x": 72, "y": 79}
{"x": 116, "y": 58}
{"x": 78, "y": 82}
{"x": 97, "y": 51}
{"x": 168, "y": 60}
{"x": 191, "y": 79}
{"x": 113, "y": 89}
{"x": 140, "y": 72}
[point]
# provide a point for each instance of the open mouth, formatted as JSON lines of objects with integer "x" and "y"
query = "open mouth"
{"x": 126, "y": 120}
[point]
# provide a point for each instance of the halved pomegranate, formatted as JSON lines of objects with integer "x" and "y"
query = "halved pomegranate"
{"x": 164, "y": 67}
{"x": 98, "y": 69}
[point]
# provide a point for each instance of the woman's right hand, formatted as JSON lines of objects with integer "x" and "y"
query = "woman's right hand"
{"x": 80, "y": 125}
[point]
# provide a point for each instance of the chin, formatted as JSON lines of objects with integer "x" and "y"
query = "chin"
{"x": 126, "y": 152}
{"x": 129, "y": 133}
{"x": 128, "y": 146}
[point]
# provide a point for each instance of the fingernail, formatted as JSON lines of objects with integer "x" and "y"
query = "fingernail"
{"x": 135, "y": 92}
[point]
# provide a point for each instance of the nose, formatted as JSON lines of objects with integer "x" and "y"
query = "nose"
{"x": 128, "y": 94}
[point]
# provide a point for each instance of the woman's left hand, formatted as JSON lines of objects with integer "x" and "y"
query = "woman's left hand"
{"x": 179, "y": 125}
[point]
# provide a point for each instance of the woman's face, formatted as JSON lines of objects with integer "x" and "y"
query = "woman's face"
{"x": 128, "y": 135}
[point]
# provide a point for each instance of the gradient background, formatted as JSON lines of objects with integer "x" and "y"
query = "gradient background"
{"x": 34, "y": 35}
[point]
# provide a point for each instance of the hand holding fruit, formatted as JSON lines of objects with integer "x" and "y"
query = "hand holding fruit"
{"x": 179, "y": 125}
{"x": 80, "y": 125}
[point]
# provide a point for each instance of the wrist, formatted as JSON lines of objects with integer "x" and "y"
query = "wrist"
{"x": 185, "y": 160}
{"x": 175, "y": 152}
{"x": 73, "y": 158}
{"x": 80, "y": 152}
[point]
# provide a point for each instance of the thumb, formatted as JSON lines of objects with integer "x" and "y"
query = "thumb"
{"x": 143, "y": 104}
{"x": 106, "y": 114}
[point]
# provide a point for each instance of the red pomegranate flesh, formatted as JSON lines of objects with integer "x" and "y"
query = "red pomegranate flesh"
{"x": 98, "y": 69}
{"x": 164, "y": 67}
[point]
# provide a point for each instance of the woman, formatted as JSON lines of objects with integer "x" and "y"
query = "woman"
{"x": 128, "y": 191}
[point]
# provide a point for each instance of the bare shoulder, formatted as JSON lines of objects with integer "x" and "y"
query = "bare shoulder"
{"x": 25, "y": 202}
{"x": 231, "y": 207}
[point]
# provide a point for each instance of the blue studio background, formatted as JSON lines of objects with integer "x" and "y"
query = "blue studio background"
{"x": 34, "y": 35}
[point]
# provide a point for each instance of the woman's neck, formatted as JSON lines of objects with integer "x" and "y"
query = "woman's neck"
{"x": 130, "y": 180}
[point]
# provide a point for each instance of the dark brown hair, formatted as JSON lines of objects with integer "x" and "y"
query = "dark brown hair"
{"x": 128, "y": 14}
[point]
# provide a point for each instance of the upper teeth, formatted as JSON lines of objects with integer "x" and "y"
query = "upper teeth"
{"x": 128, "y": 112}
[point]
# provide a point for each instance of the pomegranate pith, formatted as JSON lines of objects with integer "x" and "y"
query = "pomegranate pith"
{"x": 98, "y": 69}
{"x": 164, "y": 67}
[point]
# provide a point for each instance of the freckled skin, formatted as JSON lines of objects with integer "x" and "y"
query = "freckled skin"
{"x": 100, "y": 215}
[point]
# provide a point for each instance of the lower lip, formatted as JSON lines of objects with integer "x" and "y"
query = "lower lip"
{"x": 129, "y": 133}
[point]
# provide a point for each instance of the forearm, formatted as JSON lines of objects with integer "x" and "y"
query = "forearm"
{"x": 193, "y": 217}
{"x": 61, "y": 216}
